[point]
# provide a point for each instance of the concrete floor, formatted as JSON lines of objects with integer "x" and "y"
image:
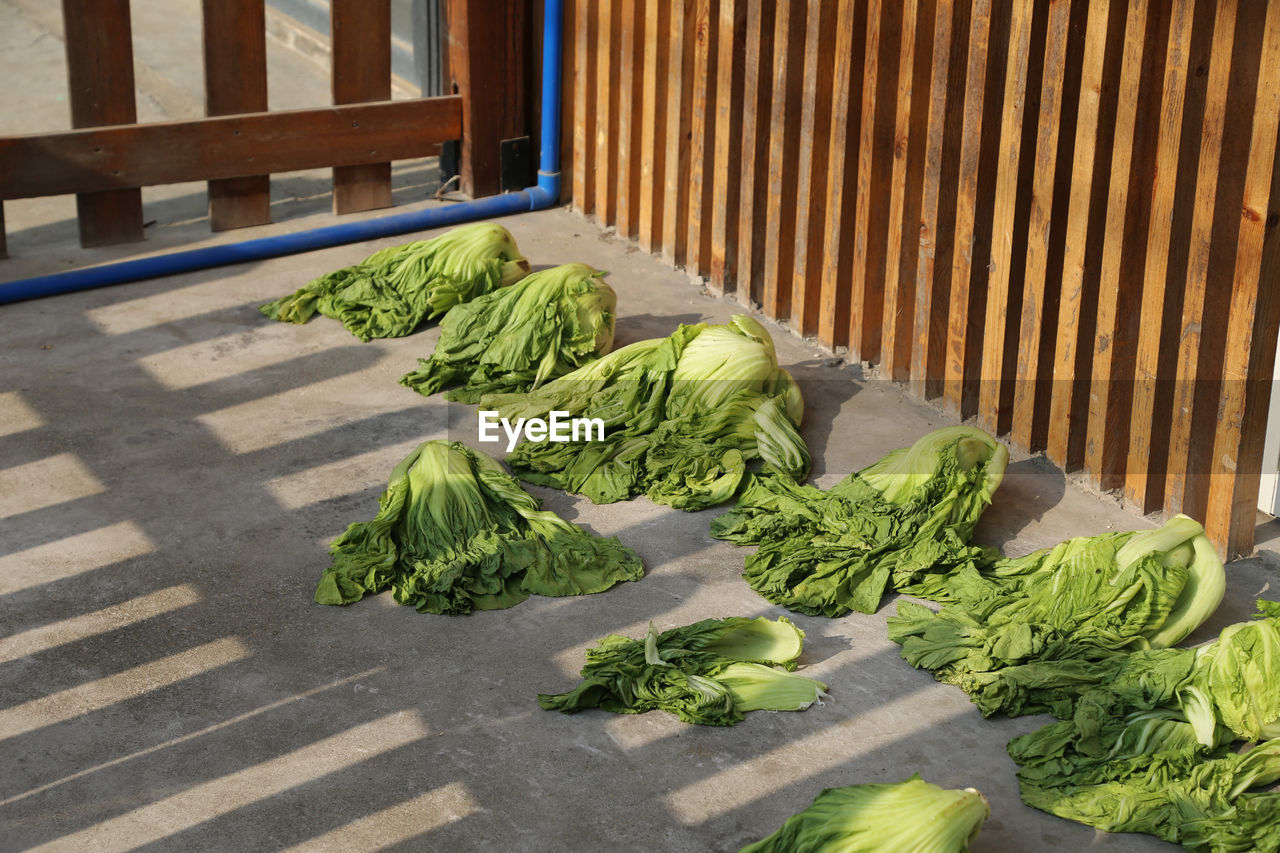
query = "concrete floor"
{"x": 173, "y": 465}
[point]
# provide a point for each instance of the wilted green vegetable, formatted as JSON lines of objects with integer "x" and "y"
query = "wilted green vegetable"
{"x": 518, "y": 337}
{"x": 1203, "y": 805}
{"x": 391, "y": 292}
{"x": 1151, "y": 734}
{"x": 1013, "y": 628}
{"x": 456, "y": 533}
{"x": 683, "y": 416}
{"x": 903, "y": 523}
{"x": 711, "y": 672}
{"x": 912, "y": 816}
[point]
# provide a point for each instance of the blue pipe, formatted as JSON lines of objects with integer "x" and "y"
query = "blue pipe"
{"x": 538, "y": 197}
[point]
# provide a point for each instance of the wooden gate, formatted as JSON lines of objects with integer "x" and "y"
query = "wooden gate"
{"x": 107, "y": 157}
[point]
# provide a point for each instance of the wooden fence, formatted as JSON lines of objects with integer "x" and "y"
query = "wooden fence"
{"x": 108, "y": 157}
{"x": 1057, "y": 217}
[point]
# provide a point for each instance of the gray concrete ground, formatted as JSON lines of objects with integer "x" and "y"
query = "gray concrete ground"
{"x": 172, "y": 467}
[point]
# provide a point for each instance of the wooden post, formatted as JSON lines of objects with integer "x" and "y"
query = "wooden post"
{"x": 361, "y": 66}
{"x": 235, "y": 81}
{"x": 100, "y": 83}
{"x": 487, "y": 63}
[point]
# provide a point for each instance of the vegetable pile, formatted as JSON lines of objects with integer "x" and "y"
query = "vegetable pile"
{"x": 518, "y": 337}
{"x": 456, "y": 533}
{"x": 903, "y": 523}
{"x": 711, "y": 672}
{"x": 391, "y": 292}
{"x": 1019, "y": 634}
{"x": 1149, "y": 746}
{"x": 683, "y": 417}
{"x": 912, "y": 816}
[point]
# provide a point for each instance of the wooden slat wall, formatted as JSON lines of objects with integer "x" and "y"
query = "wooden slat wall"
{"x": 1058, "y": 218}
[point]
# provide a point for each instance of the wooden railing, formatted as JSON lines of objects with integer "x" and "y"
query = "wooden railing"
{"x": 108, "y": 157}
{"x": 1057, "y": 217}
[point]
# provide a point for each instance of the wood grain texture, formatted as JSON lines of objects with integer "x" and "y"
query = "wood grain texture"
{"x": 979, "y": 112}
{"x": 812, "y": 195}
{"x": 1219, "y": 184}
{"x": 1086, "y": 209}
{"x": 1030, "y": 420}
{"x": 875, "y": 158}
{"x": 630, "y": 73}
{"x": 943, "y": 146}
{"x": 783, "y": 167}
{"x": 1254, "y": 320}
{"x": 842, "y": 172}
{"x": 584, "y": 103}
{"x": 995, "y": 391}
{"x": 607, "y": 96}
{"x": 702, "y": 134}
{"x": 730, "y": 57}
{"x": 1161, "y": 296}
{"x": 99, "y": 159}
{"x": 653, "y": 150}
{"x": 99, "y": 44}
{"x": 679, "y": 110}
{"x": 235, "y": 81}
{"x": 757, "y": 86}
{"x": 1124, "y": 244}
{"x": 360, "y": 35}
{"x": 903, "y": 246}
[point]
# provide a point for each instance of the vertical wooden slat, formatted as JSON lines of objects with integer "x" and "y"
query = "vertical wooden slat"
{"x": 607, "y": 93}
{"x": 841, "y": 196}
{"x": 100, "y": 87}
{"x": 235, "y": 81}
{"x": 995, "y": 392}
{"x": 1144, "y": 471}
{"x": 1208, "y": 281}
{"x": 4, "y": 243}
{"x": 568, "y": 107}
{"x": 701, "y": 138}
{"x": 757, "y": 89}
{"x": 815, "y": 137}
{"x": 875, "y": 153}
{"x": 730, "y": 57}
{"x": 938, "y": 203}
{"x": 1254, "y": 320}
{"x": 361, "y": 66}
{"x": 910, "y": 122}
{"x": 630, "y": 71}
{"x": 784, "y": 146}
{"x": 653, "y": 150}
{"x": 1030, "y": 424}
{"x": 1124, "y": 245}
{"x": 584, "y": 104}
{"x": 679, "y": 108}
{"x": 979, "y": 115}
{"x": 1100, "y": 65}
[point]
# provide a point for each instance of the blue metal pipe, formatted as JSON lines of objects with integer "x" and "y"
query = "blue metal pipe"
{"x": 538, "y": 197}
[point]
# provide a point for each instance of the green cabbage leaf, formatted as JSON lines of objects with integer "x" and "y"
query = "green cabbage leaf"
{"x": 1150, "y": 746}
{"x": 912, "y": 816}
{"x": 684, "y": 417}
{"x": 519, "y": 337}
{"x": 903, "y": 523}
{"x": 1067, "y": 607}
{"x": 391, "y": 292}
{"x": 712, "y": 672}
{"x": 456, "y": 533}
{"x": 1202, "y": 803}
